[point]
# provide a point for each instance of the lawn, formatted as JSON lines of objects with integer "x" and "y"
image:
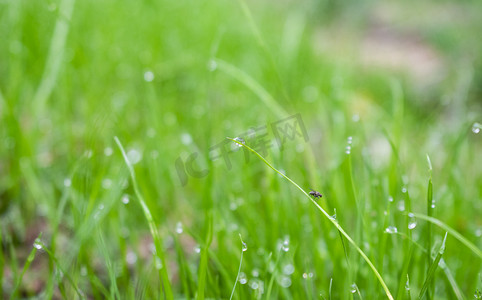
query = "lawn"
{"x": 240, "y": 149}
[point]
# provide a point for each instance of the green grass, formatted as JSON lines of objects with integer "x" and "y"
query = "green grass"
{"x": 103, "y": 104}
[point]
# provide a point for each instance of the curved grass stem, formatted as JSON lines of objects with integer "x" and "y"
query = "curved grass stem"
{"x": 334, "y": 222}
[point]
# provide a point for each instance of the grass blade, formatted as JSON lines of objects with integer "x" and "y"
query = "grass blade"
{"x": 30, "y": 258}
{"x": 152, "y": 226}
{"x": 433, "y": 267}
{"x": 244, "y": 248}
{"x": 453, "y": 232}
{"x": 338, "y": 226}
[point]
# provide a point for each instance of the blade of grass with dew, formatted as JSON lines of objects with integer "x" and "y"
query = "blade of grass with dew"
{"x": 338, "y": 226}
{"x": 407, "y": 289}
{"x": 164, "y": 277}
{"x": 453, "y": 232}
{"x": 433, "y": 267}
{"x": 243, "y": 249}
{"x": 29, "y": 260}
{"x": 66, "y": 274}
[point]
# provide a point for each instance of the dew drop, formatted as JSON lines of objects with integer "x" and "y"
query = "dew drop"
{"x": 67, "y": 182}
{"x": 401, "y": 205}
{"x": 349, "y": 140}
{"x": 186, "y": 138}
{"x": 333, "y": 217}
{"x": 478, "y": 232}
{"x": 125, "y": 199}
{"x": 148, "y": 76}
{"x": 197, "y": 249}
{"x": 284, "y": 281}
{"x": 391, "y": 229}
{"x": 242, "y": 278}
{"x": 255, "y": 273}
{"x": 134, "y": 156}
{"x": 179, "y": 228}
{"x": 38, "y": 244}
{"x": 131, "y": 258}
{"x": 286, "y": 245}
{"x": 305, "y": 275}
{"x": 412, "y": 222}
{"x": 404, "y": 190}
{"x": 433, "y": 204}
{"x": 390, "y": 199}
{"x": 407, "y": 284}
{"x": 245, "y": 247}
{"x": 106, "y": 183}
{"x": 288, "y": 269}
{"x": 240, "y": 140}
{"x": 476, "y": 127}
{"x": 254, "y": 284}
{"x": 353, "y": 288}
{"x": 108, "y": 151}
{"x": 348, "y": 149}
{"x": 158, "y": 263}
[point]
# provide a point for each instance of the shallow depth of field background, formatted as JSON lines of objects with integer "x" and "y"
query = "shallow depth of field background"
{"x": 395, "y": 82}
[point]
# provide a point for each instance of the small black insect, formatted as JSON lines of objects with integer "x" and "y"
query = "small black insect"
{"x": 315, "y": 194}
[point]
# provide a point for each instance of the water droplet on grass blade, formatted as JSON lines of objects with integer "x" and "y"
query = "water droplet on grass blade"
{"x": 412, "y": 222}
{"x": 476, "y": 127}
{"x": 391, "y": 229}
{"x": 390, "y": 199}
{"x": 286, "y": 245}
{"x": 158, "y": 263}
{"x": 125, "y": 199}
{"x": 197, "y": 249}
{"x": 240, "y": 140}
{"x": 242, "y": 278}
{"x": 353, "y": 288}
{"x": 38, "y": 244}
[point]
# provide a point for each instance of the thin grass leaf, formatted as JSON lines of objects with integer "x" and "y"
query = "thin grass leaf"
{"x": 338, "y": 226}
{"x": 244, "y": 248}
{"x": 164, "y": 277}
{"x": 29, "y": 260}
{"x": 453, "y": 232}
{"x": 433, "y": 267}
{"x": 40, "y": 245}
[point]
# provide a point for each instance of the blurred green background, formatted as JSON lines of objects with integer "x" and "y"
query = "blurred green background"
{"x": 393, "y": 81}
